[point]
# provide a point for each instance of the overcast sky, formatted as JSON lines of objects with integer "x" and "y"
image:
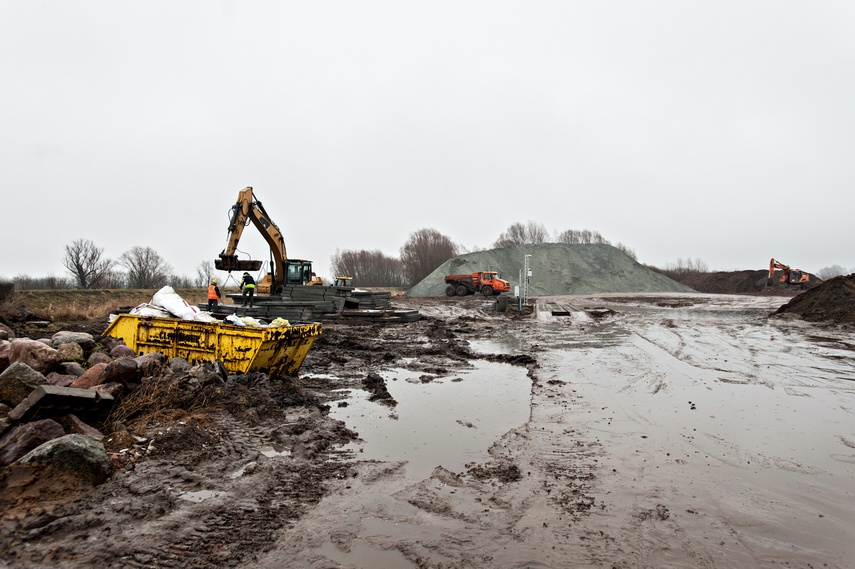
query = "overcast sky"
{"x": 723, "y": 131}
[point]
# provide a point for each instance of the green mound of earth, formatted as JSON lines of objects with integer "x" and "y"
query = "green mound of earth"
{"x": 556, "y": 269}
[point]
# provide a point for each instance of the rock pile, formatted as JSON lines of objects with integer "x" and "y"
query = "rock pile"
{"x": 557, "y": 269}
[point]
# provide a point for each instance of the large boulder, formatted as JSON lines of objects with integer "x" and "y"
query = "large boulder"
{"x": 17, "y": 382}
{"x": 83, "y": 339}
{"x": 24, "y": 438}
{"x": 96, "y": 358}
{"x": 5, "y": 348}
{"x": 122, "y": 351}
{"x": 73, "y": 425}
{"x": 124, "y": 371}
{"x": 35, "y": 354}
{"x": 70, "y": 351}
{"x": 151, "y": 363}
{"x": 6, "y": 333}
{"x": 71, "y": 368}
{"x": 62, "y": 380}
{"x": 75, "y": 454}
{"x": 93, "y": 376}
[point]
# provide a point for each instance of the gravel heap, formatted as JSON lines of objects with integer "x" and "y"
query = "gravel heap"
{"x": 557, "y": 269}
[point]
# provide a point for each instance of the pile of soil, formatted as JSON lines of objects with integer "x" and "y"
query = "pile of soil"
{"x": 556, "y": 269}
{"x": 833, "y": 301}
{"x": 743, "y": 282}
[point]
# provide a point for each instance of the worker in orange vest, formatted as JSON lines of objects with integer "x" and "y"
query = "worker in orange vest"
{"x": 213, "y": 295}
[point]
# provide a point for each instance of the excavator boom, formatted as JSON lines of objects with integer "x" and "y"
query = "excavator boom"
{"x": 248, "y": 209}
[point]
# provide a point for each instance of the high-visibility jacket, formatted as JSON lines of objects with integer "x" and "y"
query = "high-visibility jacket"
{"x": 213, "y": 293}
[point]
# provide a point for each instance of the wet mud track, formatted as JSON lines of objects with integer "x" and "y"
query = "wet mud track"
{"x": 659, "y": 431}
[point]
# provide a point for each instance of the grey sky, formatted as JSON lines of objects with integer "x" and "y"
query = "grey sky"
{"x": 718, "y": 130}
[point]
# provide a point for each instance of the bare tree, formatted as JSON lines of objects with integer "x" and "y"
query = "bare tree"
{"x": 830, "y": 272}
{"x": 86, "y": 263}
{"x": 581, "y": 236}
{"x": 519, "y": 234}
{"x": 204, "y": 273}
{"x": 424, "y": 251}
{"x": 682, "y": 268}
{"x": 626, "y": 250}
{"x": 145, "y": 268}
{"x": 369, "y": 268}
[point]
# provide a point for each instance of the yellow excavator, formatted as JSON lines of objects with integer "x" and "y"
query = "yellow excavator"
{"x": 284, "y": 271}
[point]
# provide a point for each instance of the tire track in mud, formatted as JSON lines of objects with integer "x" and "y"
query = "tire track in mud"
{"x": 221, "y": 505}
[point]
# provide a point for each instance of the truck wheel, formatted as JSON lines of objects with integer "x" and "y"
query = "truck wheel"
{"x": 449, "y": 290}
{"x": 461, "y": 290}
{"x": 487, "y": 290}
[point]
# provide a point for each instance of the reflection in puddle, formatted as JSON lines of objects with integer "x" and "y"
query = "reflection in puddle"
{"x": 445, "y": 422}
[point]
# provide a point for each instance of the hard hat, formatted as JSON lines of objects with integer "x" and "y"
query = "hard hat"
{"x": 213, "y": 281}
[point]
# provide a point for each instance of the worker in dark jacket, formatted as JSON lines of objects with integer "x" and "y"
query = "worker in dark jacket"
{"x": 247, "y": 285}
{"x": 213, "y": 295}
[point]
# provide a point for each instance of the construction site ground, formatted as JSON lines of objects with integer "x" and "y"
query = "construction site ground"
{"x": 623, "y": 430}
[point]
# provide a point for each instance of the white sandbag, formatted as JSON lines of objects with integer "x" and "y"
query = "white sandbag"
{"x": 172, "y": 302}
{"x": 250, "y": 321}
{"x": 279, "y": 322}
{"x": 234, "y": 320}
{"x": 146, "y": 309}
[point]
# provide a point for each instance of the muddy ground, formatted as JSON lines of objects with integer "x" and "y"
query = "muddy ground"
{"x": 658, "y": 430}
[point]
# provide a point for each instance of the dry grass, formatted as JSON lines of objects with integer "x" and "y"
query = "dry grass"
{"x": 76, "y": 305}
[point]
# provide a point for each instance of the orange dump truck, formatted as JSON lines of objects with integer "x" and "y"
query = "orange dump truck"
{"x": 487, "y": 283}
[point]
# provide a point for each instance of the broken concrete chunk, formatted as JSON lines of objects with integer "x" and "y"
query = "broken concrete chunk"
{"x": 75, "y": 454}
{"x": 51, "y": 401}
{"x": 35, "y": 354}
{"x": 24, "y": 438}
{"x": 17, "y": 382}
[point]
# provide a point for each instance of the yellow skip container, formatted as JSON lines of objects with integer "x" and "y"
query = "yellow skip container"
{"x": 242, "y": 349}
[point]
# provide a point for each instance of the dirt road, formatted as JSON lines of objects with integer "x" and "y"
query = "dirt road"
{"x": 623, "y": 431}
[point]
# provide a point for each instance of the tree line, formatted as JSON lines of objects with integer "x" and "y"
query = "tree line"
{"x": 424, "y": 251}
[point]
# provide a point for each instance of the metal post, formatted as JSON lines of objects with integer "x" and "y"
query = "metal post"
{"x": 526, "y": 275}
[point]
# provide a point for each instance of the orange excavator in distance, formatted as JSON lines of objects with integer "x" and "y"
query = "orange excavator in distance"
{"x": 788, "y": 276}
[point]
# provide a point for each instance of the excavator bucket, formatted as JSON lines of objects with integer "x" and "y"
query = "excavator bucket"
{"x": 227, "y": 263}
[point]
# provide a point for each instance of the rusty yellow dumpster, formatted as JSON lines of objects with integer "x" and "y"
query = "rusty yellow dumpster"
{"x": 242, "y": 349}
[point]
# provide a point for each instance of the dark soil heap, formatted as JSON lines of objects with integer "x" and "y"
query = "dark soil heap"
{"x": 557, "y": 269}
{"x": 833, "y": 301}
{"x": 742, "y": 282}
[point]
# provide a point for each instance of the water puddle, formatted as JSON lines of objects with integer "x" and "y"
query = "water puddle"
{"x": 367, "y": 554}
{"x": 447, "y": 422}
{"x": 271, "y": 451}
{"x": 201, "y": 495}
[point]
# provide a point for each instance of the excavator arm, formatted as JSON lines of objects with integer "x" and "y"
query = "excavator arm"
{"x": 248, "y": 209}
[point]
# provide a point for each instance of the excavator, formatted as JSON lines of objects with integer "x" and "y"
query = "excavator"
{"x": 284, "y": 271}
{"x": 789, "y": 276}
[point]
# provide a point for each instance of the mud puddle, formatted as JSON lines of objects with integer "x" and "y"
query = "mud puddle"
{"x": 447, "y": 421}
